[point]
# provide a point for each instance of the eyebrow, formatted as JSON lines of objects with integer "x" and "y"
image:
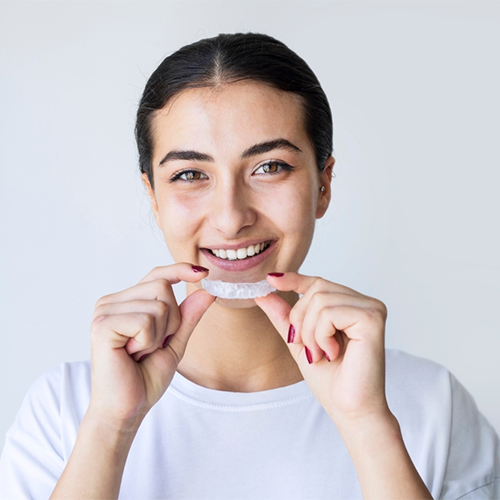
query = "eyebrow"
{"x": 265, "y": 147}
{"x": 257, "y": 149}
{"x": 186, "y": 155}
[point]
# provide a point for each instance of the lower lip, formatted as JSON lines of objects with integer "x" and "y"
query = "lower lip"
{"x": 238, "y": 265}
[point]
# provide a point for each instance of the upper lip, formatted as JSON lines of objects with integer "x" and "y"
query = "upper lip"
{"x": 235, "y": 246}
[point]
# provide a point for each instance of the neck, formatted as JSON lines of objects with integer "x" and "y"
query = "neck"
{"x": 238, "y": 350}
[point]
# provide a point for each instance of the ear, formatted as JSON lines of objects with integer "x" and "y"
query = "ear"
{"x": 325, "y": 180}
{"x": 152, "y": 196}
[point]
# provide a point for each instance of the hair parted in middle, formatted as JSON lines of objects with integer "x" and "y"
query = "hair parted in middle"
{"x": 230, "y": 58}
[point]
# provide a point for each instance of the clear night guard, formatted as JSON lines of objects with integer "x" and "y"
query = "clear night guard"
{"x": 225, "y": 290}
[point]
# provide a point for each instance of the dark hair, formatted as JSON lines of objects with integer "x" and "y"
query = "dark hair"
{"x": 230, "y": 58}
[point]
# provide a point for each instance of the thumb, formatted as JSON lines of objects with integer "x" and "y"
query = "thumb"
{"x": 192, "y": 308}
{"x": 278, "y": 311}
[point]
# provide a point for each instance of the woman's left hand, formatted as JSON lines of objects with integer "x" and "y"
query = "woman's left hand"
{"x": 336, "y": 336}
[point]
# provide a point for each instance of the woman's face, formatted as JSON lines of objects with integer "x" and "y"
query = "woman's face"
{"x": 236, "y": 187}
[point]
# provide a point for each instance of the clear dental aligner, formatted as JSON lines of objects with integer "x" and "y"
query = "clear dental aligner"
{"x": 225, "y": 290}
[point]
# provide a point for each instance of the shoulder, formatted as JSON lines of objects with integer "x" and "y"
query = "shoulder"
{"x": 76, "y": 373}
{"x": 51, "y": 395}
{"x": 406, "y": 365}
{"x": 40, "y": 441}
{"x": 57, "y": 382}
{"x": 452, "y": 445}
{"x": 415, "y": 384}
{"x": 426, "y": 397}
{"x": 412, "y": 380}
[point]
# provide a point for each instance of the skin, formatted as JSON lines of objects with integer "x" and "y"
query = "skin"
{"x": 232, "y": 207}
{"x": 338, "y": 347}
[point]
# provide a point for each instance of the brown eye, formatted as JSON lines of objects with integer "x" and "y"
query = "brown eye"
{"x": 192, "y": 175}
{"x": 188, "y": 175}
{"x": 271, "y": 167}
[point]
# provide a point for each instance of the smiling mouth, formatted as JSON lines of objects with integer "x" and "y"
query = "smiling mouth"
{"x": 240, "y": 253}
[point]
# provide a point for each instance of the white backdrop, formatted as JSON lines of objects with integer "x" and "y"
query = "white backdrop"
{"x": 414, "y": 218}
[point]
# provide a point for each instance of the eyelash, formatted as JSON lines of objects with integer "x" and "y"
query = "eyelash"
{"x": 177, "y": 175}
{"x": 282, "y": 166}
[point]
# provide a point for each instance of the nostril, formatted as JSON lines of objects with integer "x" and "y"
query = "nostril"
{"x": 230, "y": 214}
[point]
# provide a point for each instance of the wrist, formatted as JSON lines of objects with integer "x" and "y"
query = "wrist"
{"x": 112, "y": 433}
{"x": 379, "y": 455}
{"x": 371, "y": 431}
{"x": 96, "y": 464}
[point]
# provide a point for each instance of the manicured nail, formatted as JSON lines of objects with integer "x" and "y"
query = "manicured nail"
{"x": 326, "y": 356}
{"x": 143, "y": 357}
{"x": 276, "y": 275}
{"x": 291, "y": 334}
{"x": 167, "y": 340}
{"x": 199, "y": 269}
{"x": 308, "y": 355}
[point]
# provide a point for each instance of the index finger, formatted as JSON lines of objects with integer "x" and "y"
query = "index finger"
{"x": 300, "y": 283}
{"x": 175, "y": 273}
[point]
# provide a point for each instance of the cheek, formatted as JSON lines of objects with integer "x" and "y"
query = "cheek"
{"x": 296, "y": 222}
{"x": 179, "y": 218}
{"x": 298, "y": 208}
{"x": 295, "y": 215}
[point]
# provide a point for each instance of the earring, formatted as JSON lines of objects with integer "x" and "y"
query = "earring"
{"x": 322, "y": 188}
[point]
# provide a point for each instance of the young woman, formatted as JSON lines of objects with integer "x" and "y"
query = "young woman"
{"x": 286, "y": 396}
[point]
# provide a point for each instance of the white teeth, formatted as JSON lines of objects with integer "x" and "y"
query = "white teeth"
{"x": 240, "y": 253}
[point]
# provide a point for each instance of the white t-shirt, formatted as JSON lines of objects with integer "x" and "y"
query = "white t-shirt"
{"x": 199, "y": 443}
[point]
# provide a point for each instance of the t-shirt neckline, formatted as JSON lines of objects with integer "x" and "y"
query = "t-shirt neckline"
{"x": 195, "y": 394}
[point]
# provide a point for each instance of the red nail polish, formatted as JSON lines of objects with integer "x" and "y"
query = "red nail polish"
{"x": 326, "y": 356}
{"x": 144, "y": 356}
{"x": 291, "y": 334}
{"x": 167, "y": 340}
{"x": 199, "y": 269}
{"x": 308, "y": 355}
{"x": 276, "y": 275}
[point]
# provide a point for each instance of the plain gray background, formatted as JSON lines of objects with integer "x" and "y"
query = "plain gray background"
{"x": 414, "y": 218}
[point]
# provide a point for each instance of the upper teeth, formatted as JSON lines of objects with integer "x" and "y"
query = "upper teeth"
{"x": 241, "y": 253}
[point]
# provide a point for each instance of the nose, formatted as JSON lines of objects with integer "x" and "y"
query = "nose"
{"x": 230, "y": 210}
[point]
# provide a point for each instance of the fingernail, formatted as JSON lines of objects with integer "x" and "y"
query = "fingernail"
{"x": 199, "y": 269}
{"x": 326, "y": 356}
{"x": 276, "y": 275}
{"x": 291, "y": 334}
{"x": 144, "y": 356}
{"x": 167, "y": 340}
{"x": 308, "y": 355}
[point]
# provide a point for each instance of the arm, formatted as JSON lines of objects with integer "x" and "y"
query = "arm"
{"x": 338, "y": 344}
{"x": 384, "y": 468}
{"x": 96, "y": 465}
{"x": 139, "y": 336}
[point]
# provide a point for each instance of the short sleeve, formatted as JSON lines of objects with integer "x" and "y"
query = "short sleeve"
{"x": 39, "y": 443}
{"x": 32, "y": 459}
{"x": 473, "y": 465}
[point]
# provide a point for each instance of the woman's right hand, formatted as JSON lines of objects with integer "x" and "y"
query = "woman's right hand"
{"x": 139, "y": 336}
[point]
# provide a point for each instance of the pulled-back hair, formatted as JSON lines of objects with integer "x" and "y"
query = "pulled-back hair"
{"x": 229, "y": 58}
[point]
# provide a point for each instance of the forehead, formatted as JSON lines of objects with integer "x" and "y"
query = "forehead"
{"x": 233, "y": 115}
